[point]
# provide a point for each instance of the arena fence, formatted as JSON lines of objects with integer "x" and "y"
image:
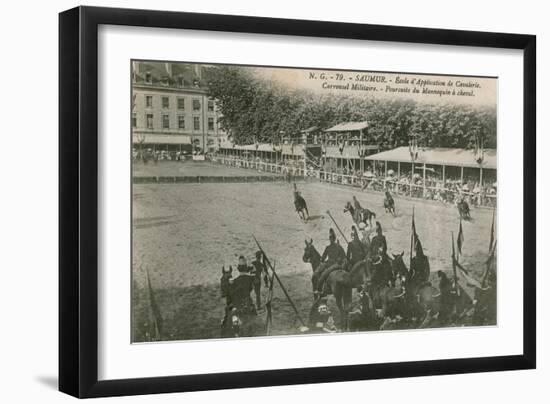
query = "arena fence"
{"x": 202, "y": 179}
{"x": 396, "y": 187}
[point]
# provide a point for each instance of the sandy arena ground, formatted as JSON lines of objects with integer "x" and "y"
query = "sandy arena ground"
{"x": 184, "y": 233}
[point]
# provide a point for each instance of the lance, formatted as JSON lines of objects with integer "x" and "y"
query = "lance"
{"x": 457, "y": 291}
{"x": 338, "y": 227}
{"x": 279, "y": 281}
{"x": 269, "y": 317}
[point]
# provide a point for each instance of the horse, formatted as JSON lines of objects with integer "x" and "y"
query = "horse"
{"x": 340, "y": 282}
{"x": 360, "y": 215}
{"x": 389, "y": 203}
{"x": 225, "y": 284}
{"x": 300, "y": 204}
{"x": 235, "y": 322}
{"x": 231, "y": 323}
{"x": 422, "y": 299}
{"x": 385, "y": 290}
{"x": 463, "y": 209}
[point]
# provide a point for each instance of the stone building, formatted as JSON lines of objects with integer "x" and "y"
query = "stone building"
{"x": 171, "y": 109}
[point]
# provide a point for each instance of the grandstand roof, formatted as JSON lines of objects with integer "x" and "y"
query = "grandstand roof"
{"x": 348, "y": 126}
{"x": 438, "y": 156}
{"x": 310, "y": 129}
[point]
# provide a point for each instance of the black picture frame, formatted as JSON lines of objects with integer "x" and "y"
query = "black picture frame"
{"x": 78, "y": 200}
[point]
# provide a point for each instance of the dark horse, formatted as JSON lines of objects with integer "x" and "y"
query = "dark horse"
{"x": 339, "y": 281}
{"x": 231, "y": 323}
{"x": 389, "y": 203}
{"x": 239, "y": 320}
{"x": 385, "y": 289}
{"x": 463, "y": 209}
{"x": 300, "y": 204}
{"x": 421, "y": 298}
{"x": 360, "y": 215}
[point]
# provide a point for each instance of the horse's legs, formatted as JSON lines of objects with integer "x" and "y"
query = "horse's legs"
{"x": 338, "y": 296}
{"x": 347, "y": 303}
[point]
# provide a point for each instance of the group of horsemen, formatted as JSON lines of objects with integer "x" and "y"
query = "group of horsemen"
{"x": 371, "y": 245}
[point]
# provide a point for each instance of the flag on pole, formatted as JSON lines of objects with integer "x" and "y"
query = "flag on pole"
{"x": 492, "y": 239}
{"x": 414, "y": 236}
{"x": 460, "y": 239}
{"x": 470, "y": 280}
{"x": 453, "y": 257}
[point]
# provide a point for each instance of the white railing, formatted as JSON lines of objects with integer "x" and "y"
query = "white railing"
{"x": 396, "y": 187}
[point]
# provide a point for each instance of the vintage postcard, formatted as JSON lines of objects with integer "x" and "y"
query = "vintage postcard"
{"x": 272, "y": 201}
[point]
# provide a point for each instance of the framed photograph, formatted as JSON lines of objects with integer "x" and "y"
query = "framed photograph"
{"x": 249, "y": 202}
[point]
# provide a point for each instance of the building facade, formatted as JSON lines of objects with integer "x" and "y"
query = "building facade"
{"x": 171, "y": 109}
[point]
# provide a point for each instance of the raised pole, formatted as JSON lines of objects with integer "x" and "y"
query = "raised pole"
{"x": 338, "y": 227}
{"x": 424, "y": 180}
{"x": 279, "y": 282}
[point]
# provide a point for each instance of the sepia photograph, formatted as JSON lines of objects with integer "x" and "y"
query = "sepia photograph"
{"x": 283, "y": 201}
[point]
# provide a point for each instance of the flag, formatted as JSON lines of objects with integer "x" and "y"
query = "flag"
{"x": 155, "y": 311}
{"x": 454, "y": 262}
{"x": 460, "y": 239}
{"x": 414, "y": 236}
{"x": 470, "y": 280}
{"x": 492, "y": 239}
{"x": 490, "y": 264}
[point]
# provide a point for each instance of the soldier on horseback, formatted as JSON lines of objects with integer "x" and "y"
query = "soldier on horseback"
{"x": 240, "y": 289}
{"x": 378, "y": 244}
{"x": 334, "y": 257}
{"x": 357, "y": 251}
{"x": 420, "y": 264}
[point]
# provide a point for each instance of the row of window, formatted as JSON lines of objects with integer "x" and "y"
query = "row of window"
{"x": 166, "y": 122}
{"x": 165, "y": 102}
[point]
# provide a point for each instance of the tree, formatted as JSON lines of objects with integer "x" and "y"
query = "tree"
{"x": 255, "y": 110}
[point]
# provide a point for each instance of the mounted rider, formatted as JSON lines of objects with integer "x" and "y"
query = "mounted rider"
{"x": 334, "y": 257}
{"x": 359, "y": 209}
{"x": 420, "y": 264}
{"x": 357, "y": 251}
{"x": 378, "y": 244}
{"x": 240, "y": 290}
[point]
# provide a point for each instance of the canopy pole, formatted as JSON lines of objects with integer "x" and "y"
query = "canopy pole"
{"x": 480, "y": 184}
{"x": 424, "y": 180}
{"x": 461, "y": 175}
{"x": 412, "y": 179}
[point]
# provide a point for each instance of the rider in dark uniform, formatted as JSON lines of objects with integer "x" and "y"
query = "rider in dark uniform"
{"x": 241, "y": 287}
{"x": 333, "y": 257}
{"x": 420, "y": 265}
{"x": 446, "y": 290}
{"x": 356, "y": 203}
{"x": 259, "y": 268}
{"x": 356, "y": 250}
{"x": 378, "y": 244}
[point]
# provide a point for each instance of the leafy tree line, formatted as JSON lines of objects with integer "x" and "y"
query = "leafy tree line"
{"x": 258, "y": 110}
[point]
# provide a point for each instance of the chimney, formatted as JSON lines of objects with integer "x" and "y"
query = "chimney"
{"x": 168, "y": 67}
{"x": 198, "y": 71}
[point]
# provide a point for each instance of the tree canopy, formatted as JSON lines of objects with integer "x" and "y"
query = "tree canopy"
{"x": 256, "y": 110}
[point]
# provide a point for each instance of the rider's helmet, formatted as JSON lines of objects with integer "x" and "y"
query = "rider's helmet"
{"x": 331, "y": 235}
